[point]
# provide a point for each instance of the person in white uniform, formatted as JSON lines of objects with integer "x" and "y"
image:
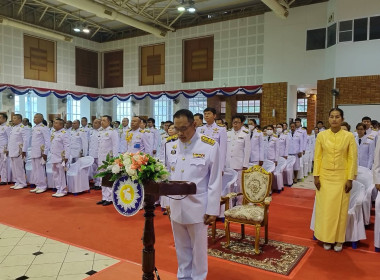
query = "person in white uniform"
{"x": 197, "y": 160}
{"x": 5, "y": 129}
{"x": 137, "y": 139}
{"x": 123, "y": 131}
{"x": 156, "y": 137}
{"x": 18, "y": 143}
{"x": 376, "y": 181}
{"x": 108, "y": 145}
{"x": 256, "y": 143}
{"x": 295, "y": 148}
{"x": 270, "y": 149}
{"x": 85, "y": 127}
{"x": 238, "y": 151}
{"x": 283, "y": 141}
{"x": 40, "y": 148}
{"x": 366, "y": 147}
{"x": 93, "y": 151}
{"x": 217, "y": 132}
{"x": 60, "y": 152}
{"x": 78, "y": 142}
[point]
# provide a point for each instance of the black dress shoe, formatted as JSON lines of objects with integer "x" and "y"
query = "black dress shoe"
{"x": 3, "y": 183}
{"x": 106, "y": 203}
{"x": 97, "y": 188}
{"x": 100, "y": 202}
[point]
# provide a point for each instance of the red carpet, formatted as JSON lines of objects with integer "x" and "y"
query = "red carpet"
{"x": 78, "y": 220}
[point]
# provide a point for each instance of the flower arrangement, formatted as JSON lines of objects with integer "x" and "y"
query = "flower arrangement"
{"x": 138, "y": 166}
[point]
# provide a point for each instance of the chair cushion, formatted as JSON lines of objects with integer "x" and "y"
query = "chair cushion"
{"x": 246, "y": 212}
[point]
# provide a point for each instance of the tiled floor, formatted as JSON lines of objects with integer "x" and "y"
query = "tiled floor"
{"x": 307, "y": 183}
{"x": 24, "y": 255}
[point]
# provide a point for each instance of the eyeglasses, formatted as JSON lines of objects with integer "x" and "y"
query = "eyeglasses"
{"x": 183, "y": 128}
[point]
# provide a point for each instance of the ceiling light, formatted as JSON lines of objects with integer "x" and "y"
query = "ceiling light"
{"x": 191, "y": 10}
{"x": 76, "y": 29}
{"x": 181, "y": 9}
{"x": 86, "y": 30}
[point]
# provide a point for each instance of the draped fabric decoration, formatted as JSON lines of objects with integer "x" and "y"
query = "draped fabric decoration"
{"x": 43, "y": 92}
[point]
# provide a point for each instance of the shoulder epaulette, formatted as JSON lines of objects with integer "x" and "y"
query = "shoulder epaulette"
{"x": 208, "y": 140}
{"x": 304, "y": 128}
{"x": 286, "y": 132}
{"x": 42, "y": 125}
{"x": 22, "y": 126}
{"x": 221, "y": 125}
{"x": 370, "y": 137}
{"x": 142, "y": 130}
{"x": 171, "y": 138}
{"x": 274, "y": 135}
{"x": 259, "y": 131}
{"x": 63, "y": 131}
{"x": 246, "y": 131}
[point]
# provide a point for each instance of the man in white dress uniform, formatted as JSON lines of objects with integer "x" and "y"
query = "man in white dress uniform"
{"x": 40, "y": 148}
{"x": 198, "y": 161}
{"x": 5, "y": 129}
{"x": 376, "y": 181}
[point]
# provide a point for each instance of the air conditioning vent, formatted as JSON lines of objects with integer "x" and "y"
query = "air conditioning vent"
{"x": 108, "y": 12}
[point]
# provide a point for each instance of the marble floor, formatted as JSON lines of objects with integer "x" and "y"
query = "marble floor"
{"x": 24, "y": 255}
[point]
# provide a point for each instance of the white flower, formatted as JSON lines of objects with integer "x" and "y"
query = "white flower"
{"x": 115, "y": 169}
{"x": 165, "y": 177}
{"x": 131, "y": 172}
{"x": 127, "y": 160}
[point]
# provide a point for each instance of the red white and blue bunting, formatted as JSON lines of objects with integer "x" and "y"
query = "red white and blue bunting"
{"x": 43, "y": 92}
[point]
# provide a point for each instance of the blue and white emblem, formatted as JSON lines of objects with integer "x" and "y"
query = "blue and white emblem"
{"x": 127, "y": 196}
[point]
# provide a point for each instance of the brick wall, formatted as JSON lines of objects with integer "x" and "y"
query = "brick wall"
{"x": 358, "y": 90}
{"x": 311, "y": 112}
{"x": 274, "y": 97}
{"x": 324, "y": 100}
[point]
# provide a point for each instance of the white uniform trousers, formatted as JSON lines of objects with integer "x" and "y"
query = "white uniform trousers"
{"x": 18, "y": 171}
{"x": 3, "y": 167}
{"x": 38, "y": 174}
{"x": 377, "y": 221}
{"x": 238, "y": 189}
{"x": 106, "y": 193}
{"x": 59, "y": 178}
{"x": 97, "y": 180}
{"x": 191, "y": 248}
{"x": 297, "y": 165}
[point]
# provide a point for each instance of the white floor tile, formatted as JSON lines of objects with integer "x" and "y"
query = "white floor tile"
{"x": 13, "y": 272}
{"x": 12, "y": 233}
{"x": 25, "y": 250}
{"x": 17, "y": 260}
{"x": 9, "y": 241}
{"x": 29, "y": 240}
{"x": 46, "y": 258}
{"x": 79, "y": 256}
{"x": 55, "y": 248}
{"x": 102, "y": 257}
{"x": 102, "y": 264}
{"x": 5, "y": 250}
{"x": 76, "y": 268}
{"x": 72, "y": 277}
{"x": 44, "y": 270}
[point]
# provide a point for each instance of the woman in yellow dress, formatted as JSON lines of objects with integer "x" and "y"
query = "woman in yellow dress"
{"x": 335, "y": 166}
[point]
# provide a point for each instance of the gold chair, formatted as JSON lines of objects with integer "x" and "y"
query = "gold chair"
{"x": 256, "y": 185}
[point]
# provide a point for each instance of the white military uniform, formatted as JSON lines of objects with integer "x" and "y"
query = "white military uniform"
{"x": 18, "y": 142}
{"x": 218, "y": 133}
{"x": 283, "y": 143}
{"x": 238, "y": 153}
{"x": 156, "y": 140}
{"x": 59, "y": 151}
{"x": 87, "y": 130}
{"x": 196, "y": 161}
{"x": 304, "y": 137}
{"x": 93, "y": 151}
{"x": 256, "y": 141}
{"x": 108, "y": 144}
{"x": 366, "y": 150}
{"x": 123, "y": 141}
{"x": 137, "y": 140}
{"x": 376, "y": 180}
{"x": 78, "y": 144}
{"x": 295, "y": 147}
{"x": 5, "y": 129}
{"x": 40, "y": 146}
{"x": 270, "y": 148}
{"x": 150, "y": 137}
{"x": 168, "y": 153}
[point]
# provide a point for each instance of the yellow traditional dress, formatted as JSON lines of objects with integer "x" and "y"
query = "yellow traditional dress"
{"x": 335, "y": 162}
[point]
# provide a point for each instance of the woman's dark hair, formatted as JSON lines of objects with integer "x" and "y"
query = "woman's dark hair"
{"x": 361, "y": 125}
{"x": 337, "y": 109}
{"x": 346, "y": 125}
{"x": 271, "y": 126}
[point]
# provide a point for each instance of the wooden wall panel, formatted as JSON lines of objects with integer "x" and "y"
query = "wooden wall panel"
{"x": 152, "y": 65}
{"x": 113, "y": 69}
{"x": 86, "y": 68}
{"x": 39, "y": 59}
{"x": 198, "y": 59}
